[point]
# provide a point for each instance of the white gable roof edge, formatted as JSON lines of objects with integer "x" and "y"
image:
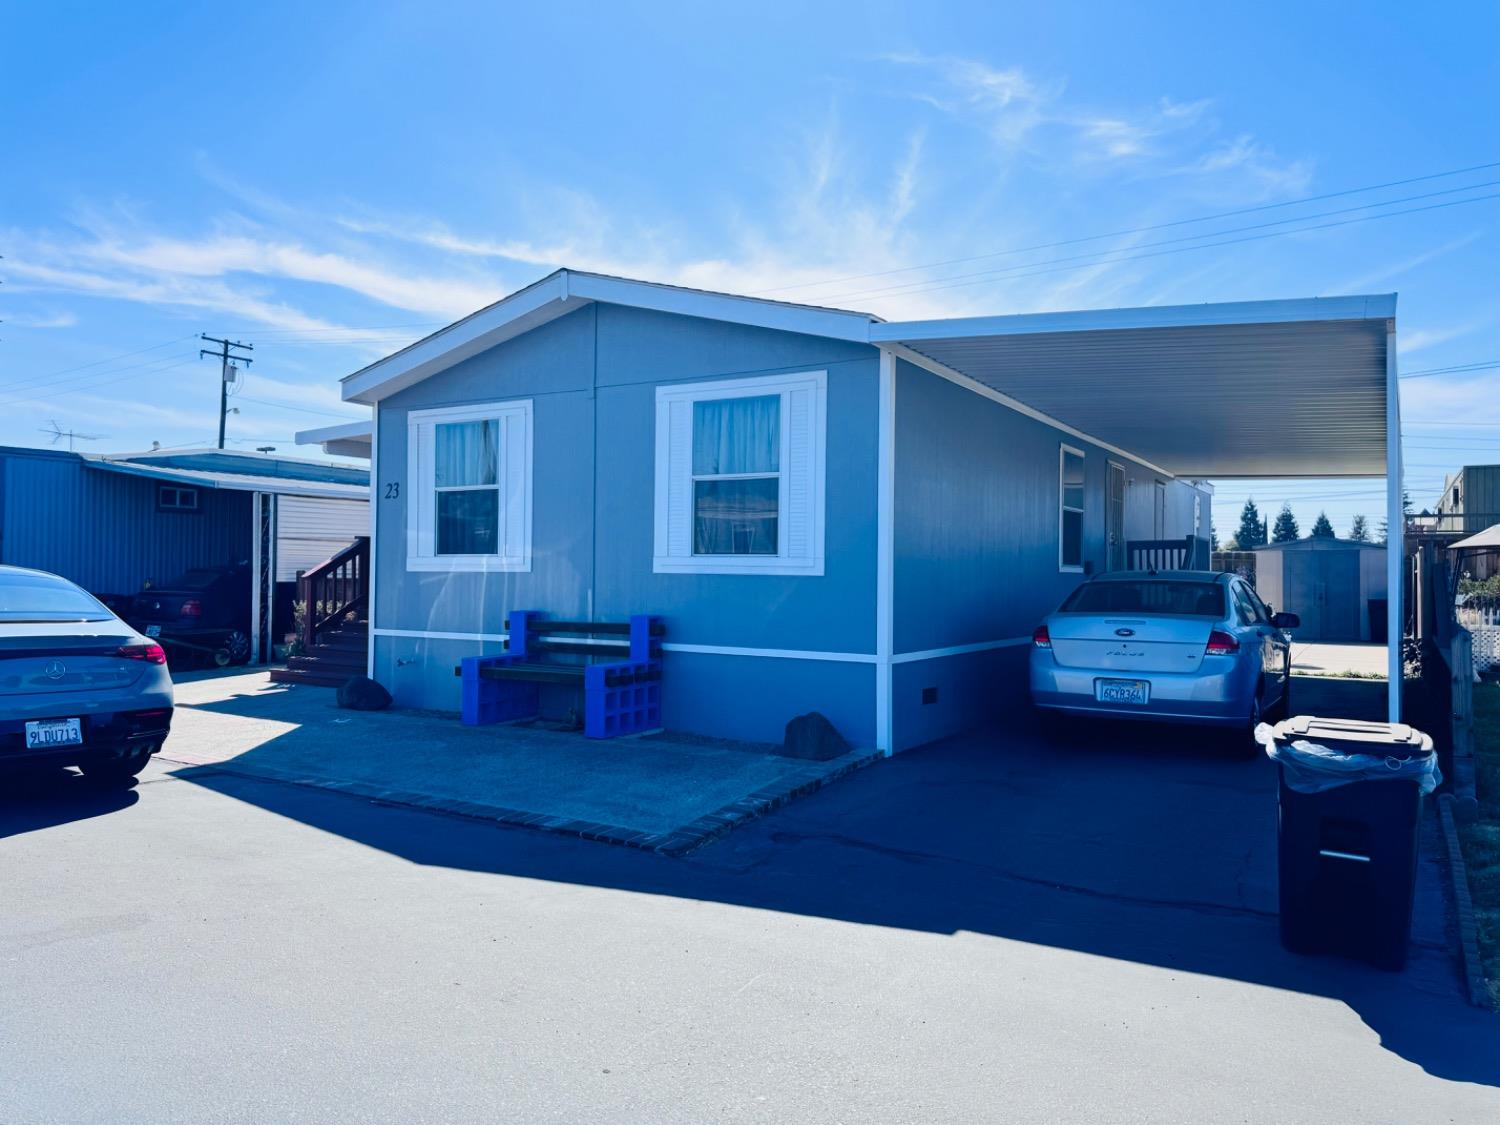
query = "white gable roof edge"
{"x": 566, "y": 290}
{"x": 1378, "y": 306}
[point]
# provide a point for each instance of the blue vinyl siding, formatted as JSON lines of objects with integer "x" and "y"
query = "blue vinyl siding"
{"x": 976, "y": 557}
{"x": 592, "y": 378}
{"x": 102, "y": 530}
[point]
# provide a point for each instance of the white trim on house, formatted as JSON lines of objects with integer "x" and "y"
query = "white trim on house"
{"x": 737, "y": 650}
{"x": 885, "y": 554}
{"x": 801, "y": 475}
{"x": 1395, "y": 548}
{"x": 513, "y": 486}
{"x": 957, "y": 650}
{"x": 376, "y": 495}
{"x": 564, "y": 291}
{"x": 943, "y": 371}
{"x": 1063, "y": 449}
{"x": 1379, "y": 306}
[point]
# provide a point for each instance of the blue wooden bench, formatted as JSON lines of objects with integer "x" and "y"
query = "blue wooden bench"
{"x": 620, "y": 696}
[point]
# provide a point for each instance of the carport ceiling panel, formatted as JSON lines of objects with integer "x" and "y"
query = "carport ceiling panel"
{"x": 1292, "y": 400}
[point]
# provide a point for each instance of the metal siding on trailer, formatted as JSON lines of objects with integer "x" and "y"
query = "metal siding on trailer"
{"x": 103, "y": 530}
{"x": 310, "y": 529}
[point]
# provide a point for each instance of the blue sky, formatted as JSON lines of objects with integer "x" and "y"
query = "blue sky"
{"x": 330, "y": 181}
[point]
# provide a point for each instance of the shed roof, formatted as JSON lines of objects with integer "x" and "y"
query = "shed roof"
{"x": 1321, "y": 543}
{"x": 1489, "y": 538}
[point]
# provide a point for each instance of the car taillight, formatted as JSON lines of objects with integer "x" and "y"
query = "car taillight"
{"x": 192, "y": 608}
{"x": 151, "y": 654}
{"x": 1040, "y": 637}
{"x": 1221, "y": 643}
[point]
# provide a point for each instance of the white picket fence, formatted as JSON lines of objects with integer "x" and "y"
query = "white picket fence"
{"x": 1483, "y": 625}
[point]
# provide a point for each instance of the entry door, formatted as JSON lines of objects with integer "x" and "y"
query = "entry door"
{"x": 1114, "y": 516}
{"x": 1161, "y": 510}
{"x": 1302, "y": 586}
{"x": 1338, "y": 579}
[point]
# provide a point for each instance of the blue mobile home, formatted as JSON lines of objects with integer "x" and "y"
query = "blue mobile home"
{"x": 112, "y": 524}
{"x": 830, "y": 512}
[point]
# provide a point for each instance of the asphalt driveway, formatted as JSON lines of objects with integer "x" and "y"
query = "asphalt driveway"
{"x": 985, "y": 929}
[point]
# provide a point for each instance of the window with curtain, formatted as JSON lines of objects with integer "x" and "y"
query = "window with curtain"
{"x": 1070, "y": 504}
{"x": 737, "y": 476}
{"x": 466, "y": 480}
{"x": 468, "y": 493}
{"x": 740, "y": 479}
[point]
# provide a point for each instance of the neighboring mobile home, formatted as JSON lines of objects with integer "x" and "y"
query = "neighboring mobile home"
{"x": 114, "y": 523}
{"x": 830, "y": 512}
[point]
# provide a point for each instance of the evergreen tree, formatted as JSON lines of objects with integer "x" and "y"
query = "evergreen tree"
{"x": 1321, "y": 528}
{"x": 1213, "y": 538}
{"x": 1358, "y": 531}
{"x": 1286, "y": 530}
{"x": 1252, "y": 532}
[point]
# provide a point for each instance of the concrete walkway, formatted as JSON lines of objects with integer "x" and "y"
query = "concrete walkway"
{"x": 658, "y": 793}
{"x": 1310, "y": 659}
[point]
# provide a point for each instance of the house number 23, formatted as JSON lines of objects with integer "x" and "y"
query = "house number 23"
{"x": 392, "y": 489}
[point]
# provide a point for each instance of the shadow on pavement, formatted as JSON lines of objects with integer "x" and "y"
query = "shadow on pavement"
{"x": 1147, "y": 845}
{"x": 44, "y": 798}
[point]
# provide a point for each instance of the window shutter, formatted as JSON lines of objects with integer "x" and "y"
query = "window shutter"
{"x": 801, "y": 410}
{"x": 679, "y": 431}
{"x": 514, "y": 441}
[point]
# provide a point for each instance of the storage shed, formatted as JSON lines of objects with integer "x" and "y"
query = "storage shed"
{"x": 1337, "y": 586}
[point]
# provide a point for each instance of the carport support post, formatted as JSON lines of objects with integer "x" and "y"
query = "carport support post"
{"x": 885, "y": 552}
{"x": 1395, "y": 522}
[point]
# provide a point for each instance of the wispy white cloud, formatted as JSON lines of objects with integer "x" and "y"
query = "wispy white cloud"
{"x": 41, "y": 320}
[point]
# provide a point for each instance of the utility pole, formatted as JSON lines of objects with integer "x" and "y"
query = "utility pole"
{"x": 224, "y": 355}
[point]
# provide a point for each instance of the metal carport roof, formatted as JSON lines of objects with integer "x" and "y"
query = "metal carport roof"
{"x": 1294, "y": 388}
{"x": 240, "y": 482}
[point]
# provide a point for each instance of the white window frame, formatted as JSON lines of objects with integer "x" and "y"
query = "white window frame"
{"x": 1064, "y": 567}
{"x": 668, "y": 474}
{"x": 421, "y": 504}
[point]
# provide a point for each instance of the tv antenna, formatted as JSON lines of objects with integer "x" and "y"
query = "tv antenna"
{"x": 58, "y": 433}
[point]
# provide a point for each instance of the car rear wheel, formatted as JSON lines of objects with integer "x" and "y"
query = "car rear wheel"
{"x": 1248, "y": 747}
{"x": 117, "y": 771}
{"x": 237, "y": 645}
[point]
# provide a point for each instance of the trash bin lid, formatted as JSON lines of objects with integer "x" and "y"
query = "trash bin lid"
{"x": 1356, "y": 736}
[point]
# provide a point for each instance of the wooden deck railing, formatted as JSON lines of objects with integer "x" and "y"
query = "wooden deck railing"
{"x": 333, "y": 589}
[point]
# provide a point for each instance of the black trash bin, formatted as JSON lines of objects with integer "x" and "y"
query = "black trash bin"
{"x": 1350, "y": 804}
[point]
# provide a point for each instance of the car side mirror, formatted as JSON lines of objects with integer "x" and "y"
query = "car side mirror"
{"x": 1286, "y": 621}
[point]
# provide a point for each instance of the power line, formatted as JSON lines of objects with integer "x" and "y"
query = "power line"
{"x": 978, "y": 278}
{"x": 299, "y": 409}
{"x": 1139, "y": 230}
{"x": 1456, "y": 369}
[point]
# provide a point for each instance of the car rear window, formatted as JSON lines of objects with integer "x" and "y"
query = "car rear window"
{"x": 194, "y": 580}
{"x": 1178, "y": 599}
{"x": 45, "y": 598}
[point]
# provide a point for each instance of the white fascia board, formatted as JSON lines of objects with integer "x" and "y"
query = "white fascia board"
{"x": 753, "y": 311}
{"x": 348, "y": 431}
{"x": 943, "y": 371}
{"x": 532, "y": 307}
{"x": 1380, "y": 306}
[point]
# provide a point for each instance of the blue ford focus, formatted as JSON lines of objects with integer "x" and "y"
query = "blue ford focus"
{"x": 78, "y": 687}
{"x": 1175, "y": 646}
